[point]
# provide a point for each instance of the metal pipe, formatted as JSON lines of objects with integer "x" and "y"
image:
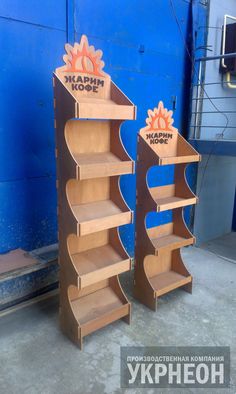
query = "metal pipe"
{"x": 199, "y": 92}
{"x": 215, "y": 112}
{"x": 210, "y": 83}
{"x": 223, "y": 43}
{"x": 214, "y": 98}
{"x": 197, "y": 101}
{"x": 226, "y": 55}
{"x": 216, "y": 127}
{"x": 228, "y": 81}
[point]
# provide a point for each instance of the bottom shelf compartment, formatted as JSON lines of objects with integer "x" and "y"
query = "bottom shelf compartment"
{"x": 166, "y": 272}
{"x": 98, "y": 305}
{"x": 167, "y": 281}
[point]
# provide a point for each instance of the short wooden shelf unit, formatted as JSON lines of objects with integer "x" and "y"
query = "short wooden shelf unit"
{"x": 158, "y": 264}
{"x": 89, "y": 111}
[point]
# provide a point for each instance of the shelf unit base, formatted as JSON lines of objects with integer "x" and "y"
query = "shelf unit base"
{"x": 98, "y": 309}
{"x": 167, "y": 281}
{"x": 161, "y": 275}
{"x": 150, "y": 289}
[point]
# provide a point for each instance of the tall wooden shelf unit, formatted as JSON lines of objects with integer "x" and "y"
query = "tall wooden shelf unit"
{"x": 159, "y": 267}
{"x": 89, "y": 110}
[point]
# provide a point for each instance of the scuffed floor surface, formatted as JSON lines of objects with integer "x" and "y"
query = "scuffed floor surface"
{"x": 224, "y": 246}
{"x": 35, "y": 358}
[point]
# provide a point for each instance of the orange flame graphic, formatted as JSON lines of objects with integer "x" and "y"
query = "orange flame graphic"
{"x": 160, "y": 119}
{"x": 83, "y": 58}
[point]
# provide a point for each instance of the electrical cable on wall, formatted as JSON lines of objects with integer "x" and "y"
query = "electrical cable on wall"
{"x": 221, "y": 135}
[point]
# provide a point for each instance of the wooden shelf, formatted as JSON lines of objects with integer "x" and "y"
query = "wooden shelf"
{"x": 164, "y": 204}
{"x": 178, "y": 160}
{"x": 165, "y": 198}
{"x": 104, "y": 109}
{"x": 94, "y": 165}
{"x": 171, "y": 242}
{"x": 169, "y": 236}
{"x": 168, "y": 145}
{"x": 167, "y": 281}
{"x": 98, "y": 264}
{"x": 99, "y": 215}
{"x": 97, "y": 309}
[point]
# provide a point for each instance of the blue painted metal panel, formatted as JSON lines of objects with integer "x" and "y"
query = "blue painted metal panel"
{"x": 28, "y": 213}
{"x": 37, "y": 32}
{"x": 27, "y": 163}
{"x": 26, "y": 110}
{"x": 158, "y": 73}
{"x": 50, "y": 13}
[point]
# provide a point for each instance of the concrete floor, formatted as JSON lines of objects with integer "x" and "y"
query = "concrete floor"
{"x": 224, "y": 246}
{"x": 35, "y": 358}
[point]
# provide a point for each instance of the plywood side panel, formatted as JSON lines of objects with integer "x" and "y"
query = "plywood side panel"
{"x": 86, "y": 191}
{"x": 87, "y": 136}
{"x": 80, "y": 244}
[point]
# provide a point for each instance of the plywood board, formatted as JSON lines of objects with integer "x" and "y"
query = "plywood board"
{"x": 14, "y": 260}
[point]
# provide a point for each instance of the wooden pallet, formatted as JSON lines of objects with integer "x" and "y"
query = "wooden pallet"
{"x": 89, "y": 111}
{"x": 159, "y": 267}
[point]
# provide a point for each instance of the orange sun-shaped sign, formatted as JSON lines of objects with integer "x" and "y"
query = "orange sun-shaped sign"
{"x": 160, "y": 119}
{"x": 83, "y": 58}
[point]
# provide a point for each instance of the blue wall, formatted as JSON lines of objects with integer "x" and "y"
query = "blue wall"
{"x": 33, "y": 36}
